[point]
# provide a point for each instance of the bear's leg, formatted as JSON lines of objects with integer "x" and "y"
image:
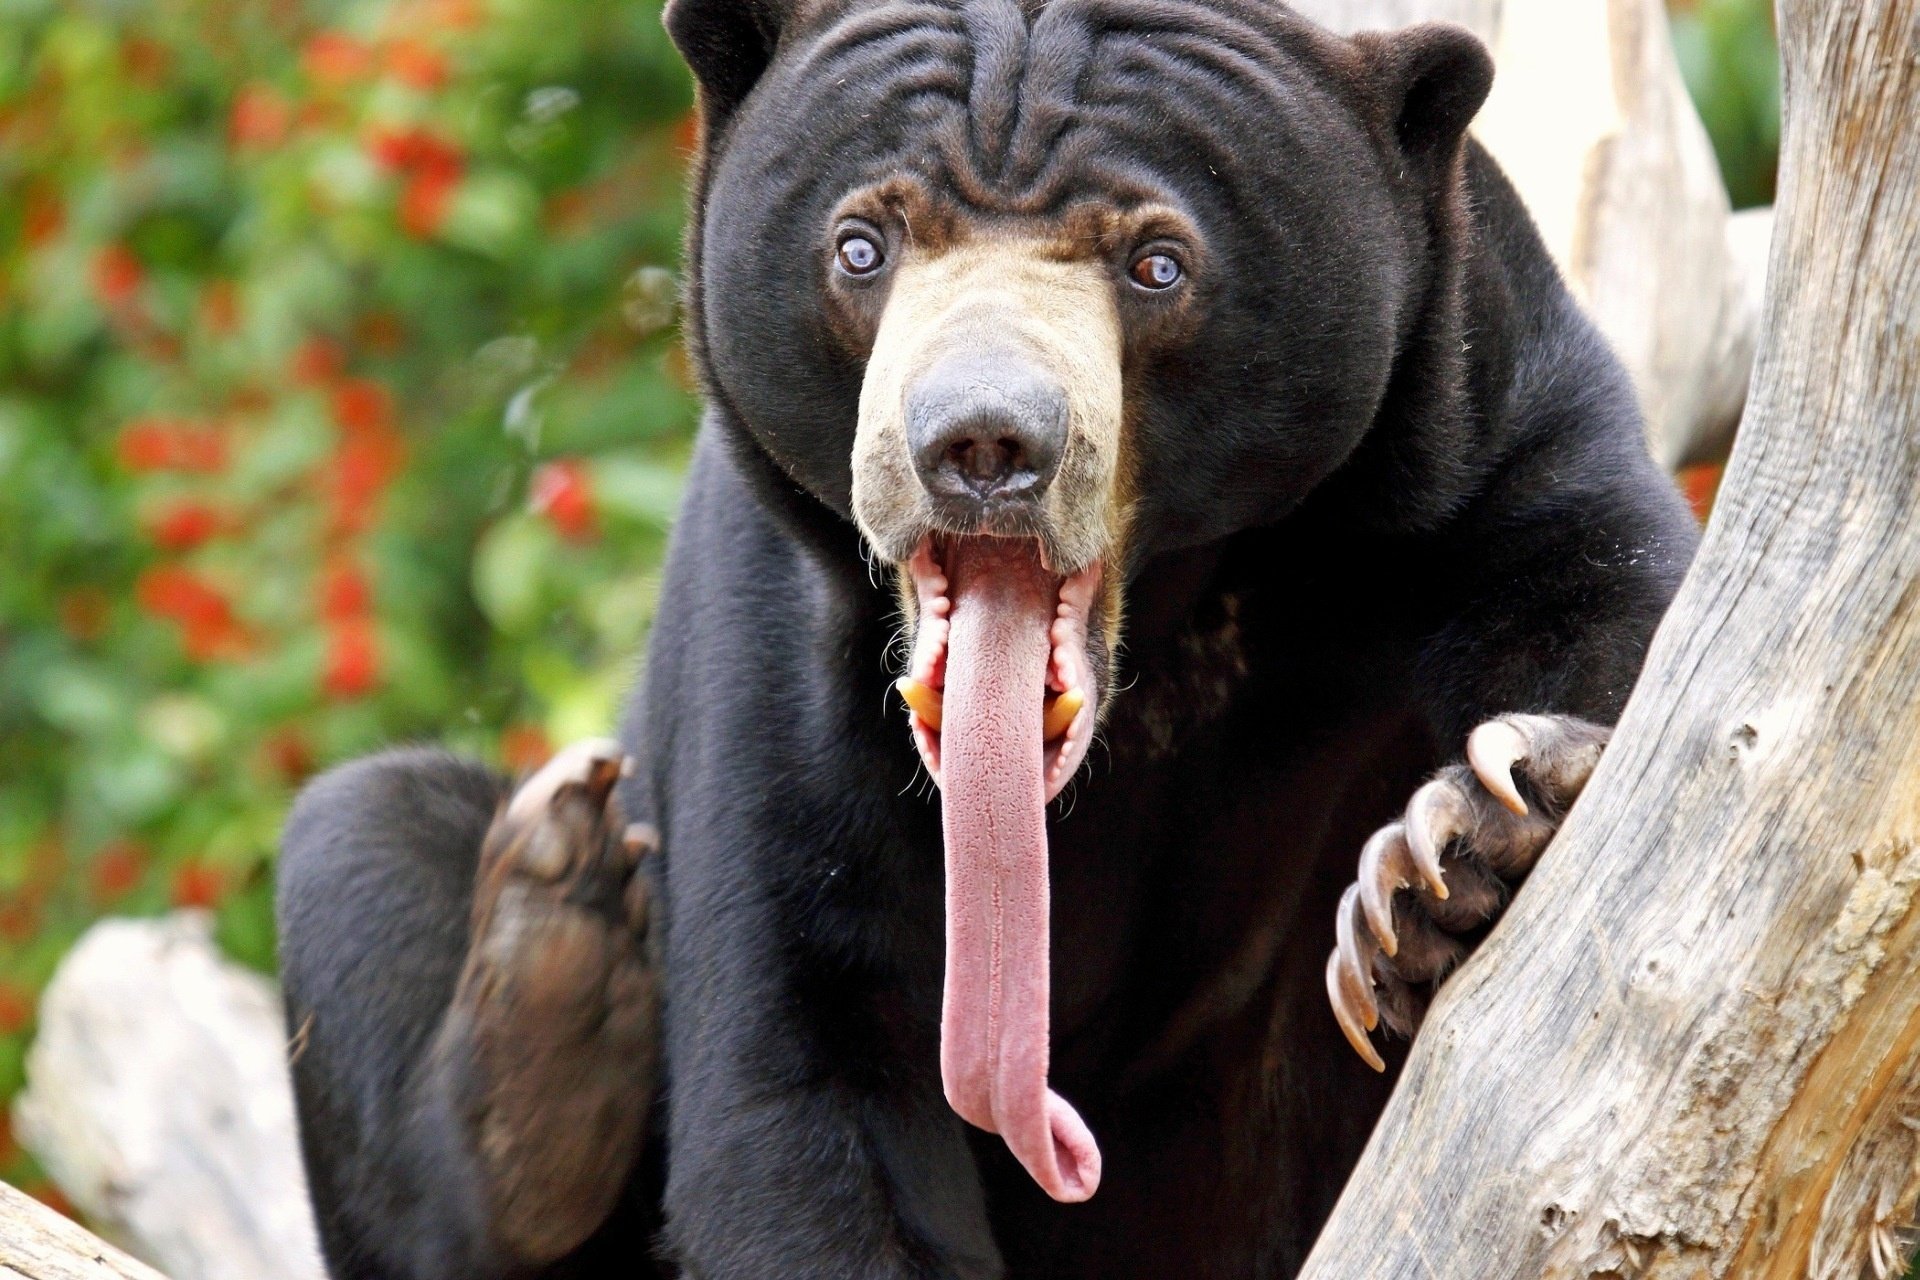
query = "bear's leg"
{"x": 472, "y": 1003}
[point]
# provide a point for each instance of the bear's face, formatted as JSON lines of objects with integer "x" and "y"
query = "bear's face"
{"x": 1111, "y": 277}
{"x": 1185, "y": 226}
{"x": 1031, "y": 292}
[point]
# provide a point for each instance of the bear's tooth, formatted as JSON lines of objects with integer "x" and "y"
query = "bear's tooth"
{"x": 922, "y": 699}
{"x": 1061, "y": 713}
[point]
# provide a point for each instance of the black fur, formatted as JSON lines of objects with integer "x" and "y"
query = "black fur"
{"x": 1390, "y": 482}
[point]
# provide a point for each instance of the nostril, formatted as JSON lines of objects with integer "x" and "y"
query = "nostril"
{"x": 983, "y": 437}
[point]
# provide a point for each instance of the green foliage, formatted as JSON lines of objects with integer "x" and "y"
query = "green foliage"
{"x": 340, "y": 404}
{"x": 1730, "y": 57}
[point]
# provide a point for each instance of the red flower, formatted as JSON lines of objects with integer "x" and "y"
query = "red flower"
{"x": 16, "y": 1008}
{"x": 43, "y": 217}
{"x": 563, "y": 492}
{"x": 201, "y": 611}
{"x": 169, "y": 591}
{"x": 166, "y": 444}
{"x": 524, "y": 748}
{"x": 260, "y": 118}
{"x": 361, "y": 405}
{"x": 287, "y": 754}
{"x": 425, "y": 200}
{"x": 186, "y": 526}
{"x": 415, "y": 149}
{"x": 1701, "y": 484}
{"x": 195, "y": 884}
{"x": 390, "y": 148}
{"x": 353, "y": 662}
{"x": 19, "y": 918}
{"x": 335, "y": 58}
{"x": 117, "y": 275}
{"x": 146, "y": 60}
{"x": 416, "y": 63}
{"x": 118, "y": 869}
{"x": 361, "y": 470}
{"x": 220, "y": 307}
{"x": 344, "y": 593}
{"x": 317, "y": 360}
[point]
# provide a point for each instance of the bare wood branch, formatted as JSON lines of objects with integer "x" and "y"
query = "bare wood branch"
{"x": 38, "y": 1244}
{"x": 158, "y": 1098}
{"x": 1693, "y": 1048}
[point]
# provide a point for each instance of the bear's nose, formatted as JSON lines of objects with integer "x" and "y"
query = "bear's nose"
{"x": 985, "y": 427}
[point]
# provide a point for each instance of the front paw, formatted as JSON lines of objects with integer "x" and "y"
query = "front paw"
{"x": 1448, "y": 866}
{"x": 556, "y": 1013}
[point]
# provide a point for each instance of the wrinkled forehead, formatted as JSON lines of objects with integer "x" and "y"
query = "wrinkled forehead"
{"x": 1025, "y": 108}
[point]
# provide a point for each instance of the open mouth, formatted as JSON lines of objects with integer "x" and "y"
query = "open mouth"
{"x": 1003, "y": 705}
{"x": 1022, "y": 595}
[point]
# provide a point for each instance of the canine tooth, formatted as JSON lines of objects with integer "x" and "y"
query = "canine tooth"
{"x": 922, "y": 699}
{"x": 1060, "y": 715}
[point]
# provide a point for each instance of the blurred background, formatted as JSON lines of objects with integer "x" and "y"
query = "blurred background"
{"x": 342, "y": 403}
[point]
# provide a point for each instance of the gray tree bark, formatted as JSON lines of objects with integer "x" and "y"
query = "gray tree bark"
{"x": 38, "y": 1244}
{"x": 158, "y": 1099}
{"x": 1692, "y": 1049}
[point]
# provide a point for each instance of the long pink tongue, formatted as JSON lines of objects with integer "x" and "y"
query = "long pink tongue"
{"x": 993, "y": 1031}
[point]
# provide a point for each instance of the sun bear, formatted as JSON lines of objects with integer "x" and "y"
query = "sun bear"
{"x": 1161, "y": 554}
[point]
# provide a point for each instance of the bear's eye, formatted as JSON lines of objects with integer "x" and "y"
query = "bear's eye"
{"x": 1156, "y": 271}
{"x": 859, "y": 256}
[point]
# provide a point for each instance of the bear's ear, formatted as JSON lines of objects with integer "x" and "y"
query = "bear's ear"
{"x": 1433, "y": 79}
{"x": 727, "y": 43}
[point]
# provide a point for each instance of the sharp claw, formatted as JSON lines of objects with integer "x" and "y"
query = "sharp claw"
{"x": 1384, "y": 868}
{"x": 1435, "y": 803}
{"x": 601, "y": 775}
{"x": 1356, "y": 964}
{"x": 594, "y": 763}
{"x": 641, "y": 841}
{"x": 1493, "y": 749}
{"x": 1349, "y": 1025}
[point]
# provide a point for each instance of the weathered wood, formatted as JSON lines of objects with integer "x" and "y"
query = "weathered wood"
{"x": 1590, "y": 118}
{"x": 1693, "y": 1047}
{"x": 38, "y": 1244}
{"x": 158, "y": 1099}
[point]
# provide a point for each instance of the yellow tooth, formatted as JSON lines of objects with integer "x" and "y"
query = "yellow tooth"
{"x": 922, "y": 699}
{"x": 1060, "y": 715}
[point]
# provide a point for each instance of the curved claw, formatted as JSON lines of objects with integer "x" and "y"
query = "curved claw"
{"x": 1493, "y": 749}
{"x": 1356, "y": 959}
{"x": 1436, "y": 814}
{"x": 595, "y": 764}
{"x": 1349, "y": 1024}
{"x": 1386, "y": 866}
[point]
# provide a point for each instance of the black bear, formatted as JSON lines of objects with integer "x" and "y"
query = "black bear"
{"x": 1182, "y": 414}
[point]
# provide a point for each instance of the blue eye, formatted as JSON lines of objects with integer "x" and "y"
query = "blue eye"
{"x": 1156, "y": 271}
{"x": 859, "y": 256}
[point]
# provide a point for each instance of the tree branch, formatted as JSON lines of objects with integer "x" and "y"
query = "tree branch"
{"x": 1693, "y": 1047}
{"x": 38, "y": 1244}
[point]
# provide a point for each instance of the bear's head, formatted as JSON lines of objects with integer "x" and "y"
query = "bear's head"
{"x": 1033, "y": 290}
